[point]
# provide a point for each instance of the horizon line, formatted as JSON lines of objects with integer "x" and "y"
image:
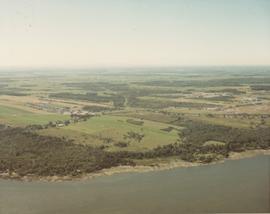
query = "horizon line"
{"x": 128, "y": 67}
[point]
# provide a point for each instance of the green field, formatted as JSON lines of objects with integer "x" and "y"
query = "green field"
{"x": 19, "y": 117}
{"x": 116, "y": 127}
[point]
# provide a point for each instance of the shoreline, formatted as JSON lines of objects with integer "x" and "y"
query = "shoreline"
{"x": 133, "y": 169}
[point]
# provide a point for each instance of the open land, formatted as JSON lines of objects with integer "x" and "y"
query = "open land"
{"x": 69, "y": 125}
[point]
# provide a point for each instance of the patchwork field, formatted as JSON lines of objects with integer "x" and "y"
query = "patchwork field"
{"x": 131, "y": 116}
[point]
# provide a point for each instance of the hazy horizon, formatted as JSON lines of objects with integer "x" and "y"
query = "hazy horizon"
{"x": 131, "y": 67}
{"x": 128, "y": 33}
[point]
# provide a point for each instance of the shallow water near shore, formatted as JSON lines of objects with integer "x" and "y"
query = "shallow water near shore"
{"x": 233, "y": 186}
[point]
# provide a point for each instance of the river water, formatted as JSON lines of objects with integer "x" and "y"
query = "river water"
{"x": 233, "y": 186}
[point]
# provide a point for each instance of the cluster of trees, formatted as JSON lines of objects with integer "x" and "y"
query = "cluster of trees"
{"x": 159, "y": 104}
{"x": 118, "y": 100}
{"x": 190, "y": 152}
{"x": 13, "y": 93}
{"x": 3, "y": 85}
{"x": 27, "y": 153}
{"x": 207, "y": 82}
{"x": 199, "y": 132}
{"x": 50, "y": 124}
{"x": 168, "y": 129}
{"x": 260, "y": 87}
{"x": 121, "y": 144}
{"x": 135, "y": 122}
{"x": 134, "y": 136}
{"x": 98, "y": 86}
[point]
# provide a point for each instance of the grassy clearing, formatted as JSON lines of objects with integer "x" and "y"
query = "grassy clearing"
{"x": 95, "y": 130}
{"x": 16, "y": 116}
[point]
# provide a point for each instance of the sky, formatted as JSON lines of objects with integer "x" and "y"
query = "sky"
{"x": 103, "y": 33}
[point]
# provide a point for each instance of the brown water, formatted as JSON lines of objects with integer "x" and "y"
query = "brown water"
{"x": 235, "y": 186}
